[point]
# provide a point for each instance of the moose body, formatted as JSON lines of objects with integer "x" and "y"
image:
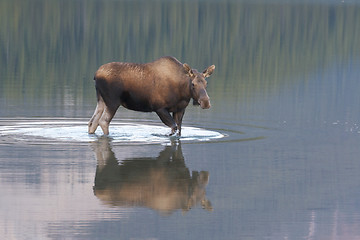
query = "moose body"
{"x": 163, "y": 86}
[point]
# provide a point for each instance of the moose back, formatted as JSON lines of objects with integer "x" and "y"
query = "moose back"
{"x": 163, "y": 86}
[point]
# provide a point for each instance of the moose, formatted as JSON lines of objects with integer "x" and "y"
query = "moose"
{"x": 162, "y": 183}
{"x": 163, "y": 86}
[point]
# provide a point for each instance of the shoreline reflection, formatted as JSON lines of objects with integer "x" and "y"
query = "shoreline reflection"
{"x": 161, "y": 183}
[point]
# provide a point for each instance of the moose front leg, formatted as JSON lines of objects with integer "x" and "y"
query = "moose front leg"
{"x": 178, "y": 116}
{"x": 167, "y": 119}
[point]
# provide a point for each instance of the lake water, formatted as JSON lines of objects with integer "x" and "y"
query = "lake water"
{"x": 276, "y": 157}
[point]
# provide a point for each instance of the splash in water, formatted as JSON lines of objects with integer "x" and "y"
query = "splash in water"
{"x": 65, "y": 131}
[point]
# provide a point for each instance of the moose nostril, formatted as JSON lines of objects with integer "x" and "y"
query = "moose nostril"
{"x": 205, "y": 104}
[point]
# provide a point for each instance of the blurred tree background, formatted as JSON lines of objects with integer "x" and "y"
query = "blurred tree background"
{"x": 50, "y": 49}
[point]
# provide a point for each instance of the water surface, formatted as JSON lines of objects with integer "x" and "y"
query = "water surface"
{"x": 285, "y": 109}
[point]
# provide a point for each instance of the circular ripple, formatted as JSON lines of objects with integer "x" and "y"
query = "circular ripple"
{"x": 48, "y": 131}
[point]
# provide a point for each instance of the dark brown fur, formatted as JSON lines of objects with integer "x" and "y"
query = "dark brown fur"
{"x": 163, "y": 86}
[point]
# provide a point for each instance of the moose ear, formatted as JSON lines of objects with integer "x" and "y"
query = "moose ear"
{"x": 188, "y": 69}
{"x": 207, "y": 72}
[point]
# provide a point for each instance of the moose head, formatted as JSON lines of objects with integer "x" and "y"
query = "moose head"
{"x": 198, "y": 85}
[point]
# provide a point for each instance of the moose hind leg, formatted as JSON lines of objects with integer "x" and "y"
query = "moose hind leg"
{"x": 94, "y": 121}
{"x": 106, "y": 118}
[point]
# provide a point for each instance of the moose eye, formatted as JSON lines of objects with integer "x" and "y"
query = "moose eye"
{"x": 193, "y": 84}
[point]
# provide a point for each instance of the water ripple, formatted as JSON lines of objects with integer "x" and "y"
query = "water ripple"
{"x": 47, "y": 131}
{"x": 53, "y": 131}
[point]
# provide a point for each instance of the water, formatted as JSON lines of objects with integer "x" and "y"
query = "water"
{"x": 43, "y": 131}
{"x": 276, "y": 157}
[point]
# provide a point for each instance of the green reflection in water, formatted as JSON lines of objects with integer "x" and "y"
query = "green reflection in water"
{"x": 52, "y": 48}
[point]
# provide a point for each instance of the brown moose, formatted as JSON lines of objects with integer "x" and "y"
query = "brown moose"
{"x": 162, "y": 183}
{"x": 163, "y": 86}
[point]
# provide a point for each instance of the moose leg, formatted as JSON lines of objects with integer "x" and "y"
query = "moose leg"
{"x": 167, "y": 119}
{"x": 94, "y": 121}
{"x": 106, "y": 118}
{"x": 178, "y": 116}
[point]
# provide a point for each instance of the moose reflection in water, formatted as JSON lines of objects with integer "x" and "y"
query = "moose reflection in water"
{"x": 162, "y": 183}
